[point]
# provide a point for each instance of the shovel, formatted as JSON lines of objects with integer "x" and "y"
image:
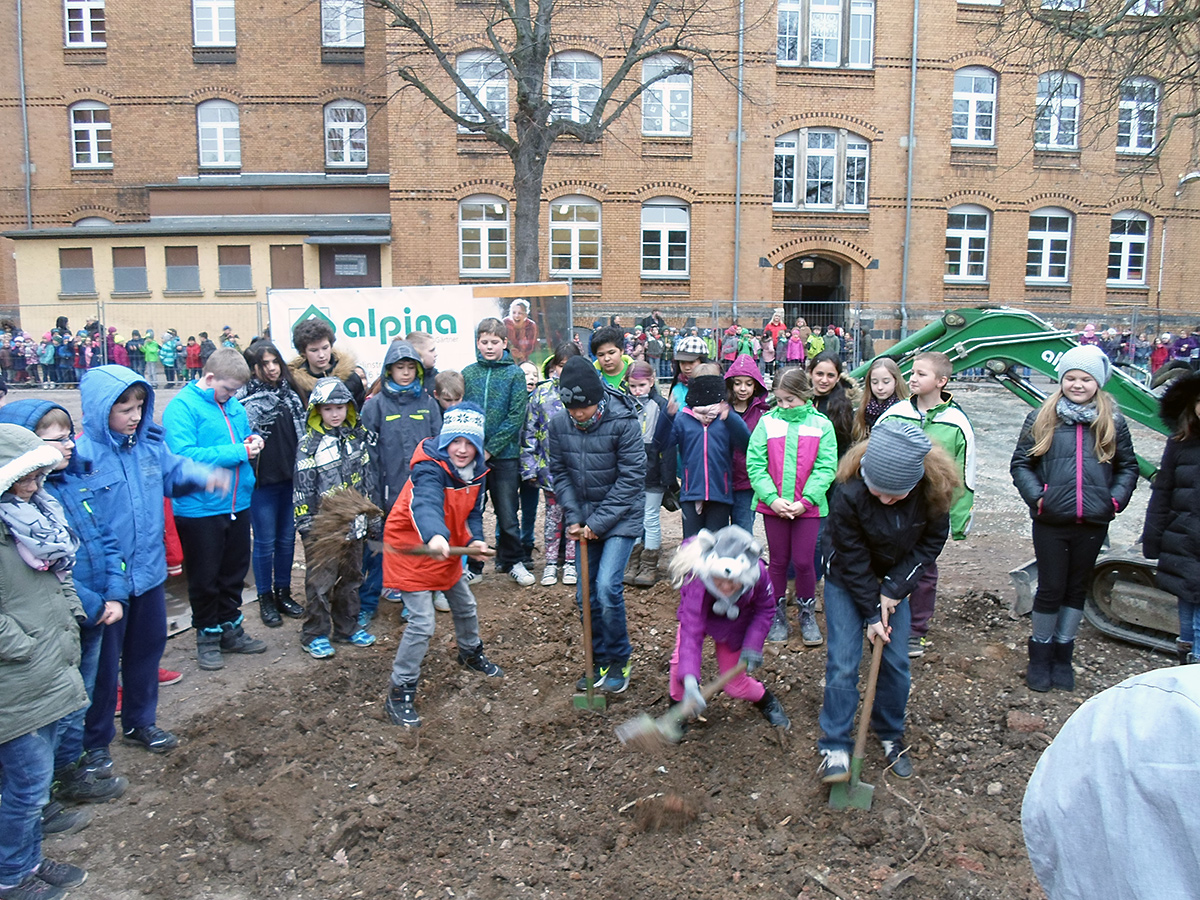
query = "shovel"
{"x": 590, "y": 699}
{"x": 856, "y": 793}
{"x": 648, "y": 733}
{"x": 424, "y": 550}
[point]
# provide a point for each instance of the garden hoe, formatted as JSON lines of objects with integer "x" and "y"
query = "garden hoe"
{"x": 649, "y": 734}
{"x": 590, "y": 699}
{"x": 856, "y": 793}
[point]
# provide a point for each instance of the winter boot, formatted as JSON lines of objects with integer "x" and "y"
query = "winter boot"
{"x": 647, "y": 574}
{"x": 208, "y": 649}
{"x": 772, "y": 711}
{"x": 268, "y": 611}
{"x": 478, "y": 662}
{"x": 1061, "y": 673}
{"x": 780, "y": 630}
{"x": 635, "y": 563}
{"x": 1183, "y": 652}
{"x": 235, "y": 640}
{"x": 75, "y": 784}
{"x": 286, "y": 605}
{"x": 401, "y": 708}
{"x": 1037, "y": 676}
{"x": 810, "y": 631}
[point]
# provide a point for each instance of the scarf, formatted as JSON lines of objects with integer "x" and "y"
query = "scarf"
{"x": 40, "y": 531}
{"x": 1074, "y": 414}
{"x": 705, "y": 415}
{"x": 265, "y": 404}
{"x": 596, "y": 416}
{"x": 412, "y": 389}
{"x": 877, "y": 407}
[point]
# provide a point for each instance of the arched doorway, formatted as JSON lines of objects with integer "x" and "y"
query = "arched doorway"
{"x": 816, "y": 289}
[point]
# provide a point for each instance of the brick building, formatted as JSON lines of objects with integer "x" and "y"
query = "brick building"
{"x": 185, "y": 159}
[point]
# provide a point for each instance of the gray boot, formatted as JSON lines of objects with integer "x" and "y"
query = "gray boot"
{"x": 208, "y": 649}
{"x": 235, "y": 640}
{"x": 780, "y": 630}
{"x": 635, "y": 563}
{"x": 810, "y": 631}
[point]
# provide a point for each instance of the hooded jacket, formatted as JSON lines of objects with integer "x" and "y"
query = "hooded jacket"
{"x": 745, "y": 366}
{"x": 599, "y": 473}
{"x": 130, "y": 475}
{"x": 214, "y": 434}
{"x": 341, "y": 367}
{"x": 435, "y": 500}
{"x": 793, "y": 455}
{"x": 697, "y": 620}
{"x": 706, "y": 452}
{"x": 99, "y": 572}
{"x": 400, "y": 420}
{"x": 334, "y": 459}
{"x": 616, "y": 382}
{"x": 544, "y": 405}
{"x": 497, "y": 386}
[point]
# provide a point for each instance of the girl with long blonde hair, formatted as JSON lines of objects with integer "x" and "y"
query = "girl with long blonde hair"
{"x": 884, "y": 385}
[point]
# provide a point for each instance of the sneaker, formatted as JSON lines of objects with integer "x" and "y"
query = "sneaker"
{"x": 166, "y": 676}
{"x": 392, "y": 596}
{"x": 440, "y": 603}
{"x": 549, "y": 575}
{"x": 77, "y": 785}
{"x": 835, "y": 766}
{"x": 917, "y": 646}
{"x": 320, "y": 648}
{"x": 98, "y": 762}
{"x": 152, "y": 738}
{"x": 616, "y": 680}
{"x": 472, "y": 577}
{"x": 401, "y": 708}
{"x": 63, "y": 875}
{"x": 364, "y": 618}
{"x": 810, "y": 631}
{"x": 476, "y": 661}
{"x": 599, "y": 673}
{"x": 32, "y": 888}
{"x": 569, "y": 576}
{"x": 521, "y": 575}
{"x": 780, "y": 630}
{"x": 361, "y": 638}
{"x": 898, "y": 758}
{"x": 58, "y": 820}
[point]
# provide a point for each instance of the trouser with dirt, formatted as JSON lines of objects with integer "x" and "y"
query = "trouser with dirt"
{"x": 331, "y": 598}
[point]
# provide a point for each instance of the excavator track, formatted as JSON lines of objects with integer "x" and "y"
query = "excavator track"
{"x": 1123, "y": 603}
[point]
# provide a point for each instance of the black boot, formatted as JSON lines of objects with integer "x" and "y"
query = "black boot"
{"x": 288, "y": 606}
{"x": 772, "y": 711}
{"x": 1061, "y": 674}
{"x": 1183, "y": 652}
{"x": 267, "y": 610}
{"x": 235, "y": 640}
{"x": 401, "y": 708}
{"x": 1037, "y": 676}
{"x": 208, "y": 650}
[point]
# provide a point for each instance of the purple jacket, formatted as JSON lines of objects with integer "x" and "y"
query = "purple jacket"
{"x": 745, "y": 365}
{"x": 696, "y": 621}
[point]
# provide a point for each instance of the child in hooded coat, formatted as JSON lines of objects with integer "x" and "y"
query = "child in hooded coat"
{"x": 748, "y": 398}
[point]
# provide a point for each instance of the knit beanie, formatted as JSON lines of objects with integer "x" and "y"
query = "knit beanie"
{"x": 462, "y": 420}
{"x": 579, "y": 385}
{"x": 705, "y": 391}
{"x": 895, "y": 459}
{"x": 1086, "y": 358}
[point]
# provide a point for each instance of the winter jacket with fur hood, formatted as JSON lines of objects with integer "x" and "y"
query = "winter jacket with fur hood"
{"x": 342, "y": 368}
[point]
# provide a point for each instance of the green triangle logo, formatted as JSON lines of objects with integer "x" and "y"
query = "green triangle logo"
{"x": 313, "y": 313}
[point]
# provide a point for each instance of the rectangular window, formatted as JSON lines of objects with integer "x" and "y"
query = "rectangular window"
{"x": 862, "y": 34}
{"x": 75, "y": 269}
{"x": 91, "y": 136}
{"x": 820, "y": 166}
{"x": 212, "y": 23}
{"x": 575, "y": 238}
{"x": 856, "y": 174}
{"x": 1127, "y": 242}
{"x": 785, "y": 172}
{"x": 342, "y": 23}
{"x": 974, "y": 107}
{"x": 966, "y": 246}
{"x": 483, "y": 238}
{"x": 667, "y": 103}
{"x": 183, "y": 269}
{"x": 85, "y": 23}
{"x": 824, "y": 32}
{"x": 664, "y": 241}
{"x": 788, "y": 36}
{"x": 1049, "y": 248}
{"x": 129, "y": 270}
{"x": 233, "y": 269}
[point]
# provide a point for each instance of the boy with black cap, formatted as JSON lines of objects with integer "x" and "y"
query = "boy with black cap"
{"x": 598, "y": 466}
{"x": 441, "y": 505}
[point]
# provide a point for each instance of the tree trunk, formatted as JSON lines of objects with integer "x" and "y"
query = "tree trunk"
{"x": 529, "y": 167}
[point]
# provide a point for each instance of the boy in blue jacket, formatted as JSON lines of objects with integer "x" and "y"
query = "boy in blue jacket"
{"x": 131, "y": 471}
{"x": 207, "y": 424}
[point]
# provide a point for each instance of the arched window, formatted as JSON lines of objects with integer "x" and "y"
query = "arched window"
{"x": 91, "y": 136}
{"x": 967, "y": 243}
{"x": 666, "y": 232}
{"x": 1137, "y": 116}
{"x": 483, "y": 236}
{"x": 485, "y": 74}
{"x": 1128, "y": 238}
{"x": 575, "y": 236}
{"x": 667, "y": 103}
{"x": 1049, "y": 254}
{"x": 834, "y": 163}
{"x": 1056, "y": 125}
{"x": 574, "y": 85}
{"x": 219, "y": 134}
{"x": 345, "y": 134}
{"x": 974, "y": 119}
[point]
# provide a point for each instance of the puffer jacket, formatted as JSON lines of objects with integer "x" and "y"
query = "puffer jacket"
{"x": 873, "y": 548}
{"x": 342, "y": 365}
{"x": 212, "y": 433}
{"x": 1068, "y": 484}
{"x": 706, "y": 453}
{"x": 497, "y": 386}
{"x": 130, "y": 475}
{"x": 745, "y": 366}
{"x": 599, "y": 473}
{"x": 1172, "y": 532}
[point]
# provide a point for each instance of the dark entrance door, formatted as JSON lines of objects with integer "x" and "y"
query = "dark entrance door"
{"x": 815, "y": 289}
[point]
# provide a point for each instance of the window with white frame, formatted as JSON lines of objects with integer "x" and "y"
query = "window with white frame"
{"x": 1137, "y": 116}
{"x": 345, "y": 134}
{"x": 974, "y": 118}
{"x": 483, "y": 72}
{"x": 967, "y": 243}
{"x": 85, "y": 23}
{"x": 834, "y": 166}
{"x": 342, "y": 23}
{"x": 483, "y": 236}
{"x": 666, "y": 230}
{"x": 826, "y": 33}
{"x": 213, "y": 24}
{"x": 1063, "y": 4}
{"x": 91, "y": 136}
{"x": 1049, "y": 254}
{"x": 574, "y": 85}
{"x": 667, "y": 103}
{"x": 219, "y": 134}
{"x": 1146, "y": 8}
{"x": 1056, "y": 124}
{"x": 1128, "y": 238}
{"x": 575, "y": 236}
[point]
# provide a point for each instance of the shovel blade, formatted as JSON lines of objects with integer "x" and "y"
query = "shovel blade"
{"x": 590, "y": 700}
{"x": 852, "y": 794}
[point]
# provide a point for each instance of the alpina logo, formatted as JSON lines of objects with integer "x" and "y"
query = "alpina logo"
{"x": 387, "y": 328}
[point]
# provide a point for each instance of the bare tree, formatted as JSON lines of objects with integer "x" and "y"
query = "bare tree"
{"x": 520, "y": 38}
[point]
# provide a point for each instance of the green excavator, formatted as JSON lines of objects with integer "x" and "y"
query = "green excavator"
{"x": 1122, "y": 599}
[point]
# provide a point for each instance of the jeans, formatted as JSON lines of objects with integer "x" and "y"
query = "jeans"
{"x": 1189, "y": 612}
{"x": 528, "y": 499}
{"x": 844, "y": 647}
{"x": 217, "y": 552}
{"x": 26, "y": 770}
{"x": 606, "y": 568}
{"x": 712, "y": 515}
{"x": 273, "y": 520}
{"x": 372, "y": 580}
{"x": 70, "y": 735}
{"x": 503, "y": 484}
{"x": 652, "y": 520}
{"x": 742, "y": 514}
{"x": 414, "y": 643}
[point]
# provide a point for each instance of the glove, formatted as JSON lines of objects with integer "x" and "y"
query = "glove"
{"x": 692, "y": 696}
{"x": 358, "y": 528}
{"x": 751, "y": 658}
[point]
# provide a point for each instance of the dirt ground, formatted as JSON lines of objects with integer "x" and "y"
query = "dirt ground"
{"x": 290, "y": 782}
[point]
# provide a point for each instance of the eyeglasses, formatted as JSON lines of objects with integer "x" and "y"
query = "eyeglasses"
{"x": 65, "y": 439}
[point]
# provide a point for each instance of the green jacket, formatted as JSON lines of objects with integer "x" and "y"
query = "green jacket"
{"x": 151, "y": 349}
{"x": 498, "y": 388}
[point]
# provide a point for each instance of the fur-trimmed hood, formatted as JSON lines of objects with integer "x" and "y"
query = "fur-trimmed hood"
{"x": 22, "y": 452}
{"x": 304, "y": 379}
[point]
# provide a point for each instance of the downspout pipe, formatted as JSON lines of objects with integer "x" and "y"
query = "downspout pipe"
{"x": 737, "y": 178}
{"x": 24, "y": 116}
{"x": 908, "y": 181}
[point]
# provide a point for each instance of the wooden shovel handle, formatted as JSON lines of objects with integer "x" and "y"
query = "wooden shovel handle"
{"x": 425, "y": 550}
{"x": 715, "y": 686}
{"x": 860, "y": 742}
